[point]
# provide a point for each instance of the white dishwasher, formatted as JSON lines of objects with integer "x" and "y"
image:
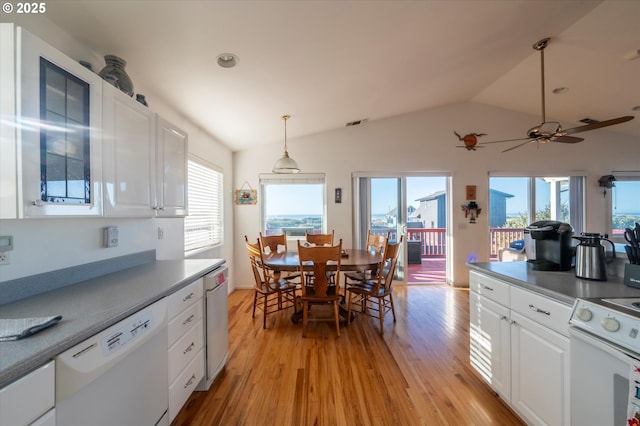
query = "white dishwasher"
{"x": 119, "y": 376}
{"x": 216, "y": 325}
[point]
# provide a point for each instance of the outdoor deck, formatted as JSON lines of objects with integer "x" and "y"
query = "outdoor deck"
{"x": 431, "y": 270}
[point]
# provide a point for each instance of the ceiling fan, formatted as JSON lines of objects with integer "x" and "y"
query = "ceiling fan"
{"x": 551, "y": 131}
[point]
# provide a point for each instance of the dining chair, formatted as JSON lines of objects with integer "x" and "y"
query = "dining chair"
{"x": 315, "y": 287}
{"x": 374, "y": 242}
{"x": 276, "y": 244}
{"x": 271, "y": 292}
{"x": 319, "y": 239}
{"x": 374, "y": 297}
{"x": 322, "y": 240}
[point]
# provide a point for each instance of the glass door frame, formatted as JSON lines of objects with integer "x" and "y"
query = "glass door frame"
{"x": 361, "y": 216}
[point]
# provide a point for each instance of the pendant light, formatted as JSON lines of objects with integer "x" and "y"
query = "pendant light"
{"x": 286, "y": 164}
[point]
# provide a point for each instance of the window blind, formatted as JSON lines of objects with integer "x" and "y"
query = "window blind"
{"x": 203, "y": 225}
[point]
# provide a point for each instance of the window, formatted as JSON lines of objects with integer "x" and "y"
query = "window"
{"x": 625, "y": 204}
{"x": 203, "y": 225}
{"x": 515, "y": 202}
{"x": 293, "y": 204}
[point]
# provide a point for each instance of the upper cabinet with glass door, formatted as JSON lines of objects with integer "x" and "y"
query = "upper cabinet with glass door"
{"x": 59, "y": 119}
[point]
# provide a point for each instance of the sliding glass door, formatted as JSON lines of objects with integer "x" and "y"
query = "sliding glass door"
{"x": 414, "y": 206}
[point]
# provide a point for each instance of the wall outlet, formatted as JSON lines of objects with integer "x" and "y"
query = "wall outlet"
{"x": 4, "y": 258}
{"x": 160, "y": 233}
{"x": 110, "y": 236}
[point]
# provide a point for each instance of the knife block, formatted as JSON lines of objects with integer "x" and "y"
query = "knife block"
{"x": 632, "y": 275}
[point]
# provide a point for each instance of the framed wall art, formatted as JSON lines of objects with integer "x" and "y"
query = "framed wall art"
{"x": 246, "y": 194}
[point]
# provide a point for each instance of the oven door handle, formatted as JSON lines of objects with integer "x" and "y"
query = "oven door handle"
{"x": 612, "y": 349}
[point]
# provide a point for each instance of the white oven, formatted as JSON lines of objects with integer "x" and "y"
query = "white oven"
{"x": 604, "y": 347}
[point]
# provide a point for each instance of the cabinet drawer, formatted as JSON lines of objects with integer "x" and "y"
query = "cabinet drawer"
{"x": 183, "y": 298}
{"x": 544, "y": 311}
{"x": 26, "y": 399}
{"x": 185, "y": 384}
{"x": 489, "y": 287}
{"x": 185, "y": 349}
{"x": 184, "y": 321}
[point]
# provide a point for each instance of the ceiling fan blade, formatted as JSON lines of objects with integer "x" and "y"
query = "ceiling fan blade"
{"x": 519, "y": 145}
{"x": 505, "y": 140}
{"x": 597, "y": 125}
{"x": 566, "y": 139}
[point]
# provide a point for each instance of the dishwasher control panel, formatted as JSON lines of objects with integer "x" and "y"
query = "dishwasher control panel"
{"x": 127, "y": 332}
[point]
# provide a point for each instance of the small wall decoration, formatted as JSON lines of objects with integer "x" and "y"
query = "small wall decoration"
{"x": 471, "y": 192}
{"x": 246, "y": 195}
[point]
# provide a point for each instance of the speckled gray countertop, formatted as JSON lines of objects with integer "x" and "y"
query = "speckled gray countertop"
{"x": 89, "y": 307}
{"x": 563, "y": 287}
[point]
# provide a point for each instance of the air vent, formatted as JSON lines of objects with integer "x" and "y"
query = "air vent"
{"x": 589, "y": 121}
{"x": 357, "y": 122}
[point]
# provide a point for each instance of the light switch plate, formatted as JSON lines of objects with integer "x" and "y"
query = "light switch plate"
{"x": 111, "y": 236}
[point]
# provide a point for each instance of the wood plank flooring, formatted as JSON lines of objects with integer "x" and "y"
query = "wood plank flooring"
{"x": 417, "y": 374}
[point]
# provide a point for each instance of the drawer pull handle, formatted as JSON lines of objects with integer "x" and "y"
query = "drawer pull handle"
{"x": 504, "y": 318}
{"x": 538, "y": 310}
{"x": 187, "y": 297}
{"x": 191, "y": 379}
{"x": 188, "y": 320}
{"x": 189, "y": 348}
{"x": 486, "y": 287}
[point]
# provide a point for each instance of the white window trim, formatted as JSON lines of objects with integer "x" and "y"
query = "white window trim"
{"x": 298, "y": 178}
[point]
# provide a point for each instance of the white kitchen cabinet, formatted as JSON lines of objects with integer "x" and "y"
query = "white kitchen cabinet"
{"x": 128, "y": 147}
{"x": 185, "y": 344}
{"x": 58, "y": 137}
{"x": 171, "y": 170}
{"x": 8, "y": 147}
{"x": 30, "y": 400}
{"x": 519, "y": 345}
{"x": 490, "y": 344}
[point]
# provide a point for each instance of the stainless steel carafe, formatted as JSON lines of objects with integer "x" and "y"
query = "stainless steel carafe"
{"x": 591, "y": 258}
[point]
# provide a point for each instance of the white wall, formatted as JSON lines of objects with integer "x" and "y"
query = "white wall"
{"x": 424, "y": 142}
{"x": 43, "y": 245}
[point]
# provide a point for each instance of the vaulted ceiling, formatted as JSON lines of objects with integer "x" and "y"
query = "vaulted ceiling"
{"x": 327, "y": 63}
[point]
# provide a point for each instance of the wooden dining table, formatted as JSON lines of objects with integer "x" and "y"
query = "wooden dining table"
{"x": 355, "y": 260}
{"x": 352, "y": 260}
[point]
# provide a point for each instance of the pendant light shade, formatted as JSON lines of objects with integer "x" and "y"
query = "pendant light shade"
{"x": 286, "y": 164}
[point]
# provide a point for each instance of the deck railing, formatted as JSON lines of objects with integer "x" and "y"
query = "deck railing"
{"x": 434, "y": 242}
{"x": 501, "y": 237}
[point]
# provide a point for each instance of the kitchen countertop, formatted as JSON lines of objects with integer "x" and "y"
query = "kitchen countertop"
{"x": 563, "y": 286}
{"x": 89, "y": 307}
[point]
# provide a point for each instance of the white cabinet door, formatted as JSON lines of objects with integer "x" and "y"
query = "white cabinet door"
{"x": 171, "y": 166}
{"x": 59, "y": 119}
{"x": 8, "y": 148}
{"x": 540, "y": 370}
{"x": 128, "y": 147}
{"x": 490, "y": 343}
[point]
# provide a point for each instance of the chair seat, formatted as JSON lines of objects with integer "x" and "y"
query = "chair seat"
{"x": 367, "y": 287}
{"x": 281, "y": 285}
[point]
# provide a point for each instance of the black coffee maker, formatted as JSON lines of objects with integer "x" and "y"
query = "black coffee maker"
{"x": 548, "y": 245}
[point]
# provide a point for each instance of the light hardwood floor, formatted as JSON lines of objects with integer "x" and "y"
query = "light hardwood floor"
{"x": 417, "y": 374}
